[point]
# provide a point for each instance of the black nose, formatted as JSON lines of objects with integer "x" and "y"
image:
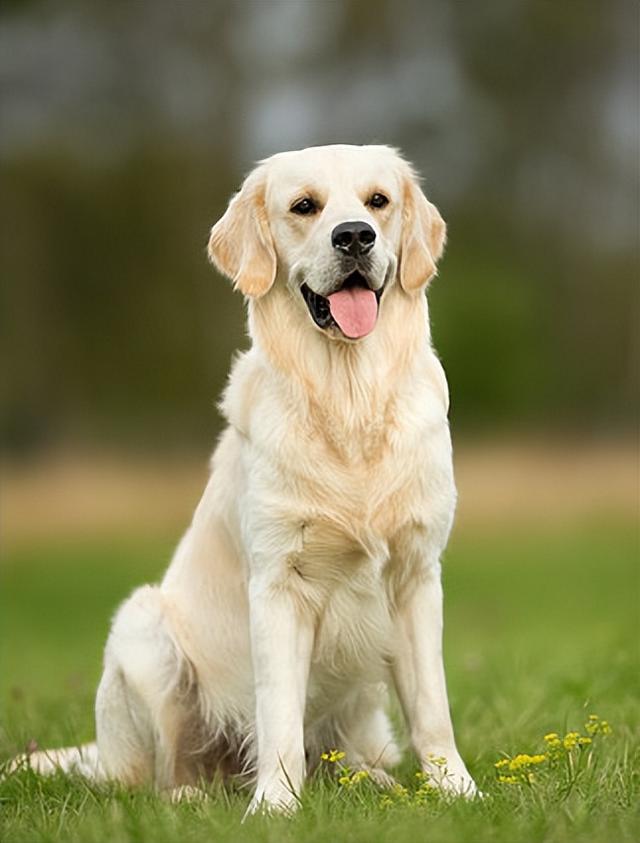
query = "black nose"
{"x": 353, "y": 238}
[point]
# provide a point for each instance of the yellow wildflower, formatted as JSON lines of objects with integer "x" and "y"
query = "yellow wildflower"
{"x": 523, "y": 760}
{"x": 423, "y": 795}
{"x": 520, "y": 769}
{"x": 349, "y": 779}
{"x": 332, "y": 756}
{"x": 570, "y": 740}
{"x": 400, "y": 791}
{"x": 596, "y": 726}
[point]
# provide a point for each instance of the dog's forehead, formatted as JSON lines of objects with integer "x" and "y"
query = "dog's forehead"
{"x": 336, "y": 166}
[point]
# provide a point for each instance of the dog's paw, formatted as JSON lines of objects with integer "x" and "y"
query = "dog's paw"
{"x": 185, "y": 793}
{"x": 449, "y": 773}
{"x": 277, "y": 798}
{"x": 380, "y": 777}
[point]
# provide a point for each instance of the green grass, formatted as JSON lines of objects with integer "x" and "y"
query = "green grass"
{"x": 541, "y": 630}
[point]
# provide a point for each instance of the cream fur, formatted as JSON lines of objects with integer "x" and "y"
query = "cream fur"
{"x": 310, "y": 577}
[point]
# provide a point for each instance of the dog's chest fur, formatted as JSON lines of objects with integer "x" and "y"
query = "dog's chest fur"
{"x": 347, "y": 496}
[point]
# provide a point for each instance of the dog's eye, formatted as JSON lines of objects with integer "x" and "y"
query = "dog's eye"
{"x": 304, "y": 207}
{"x": 378, "y": 200}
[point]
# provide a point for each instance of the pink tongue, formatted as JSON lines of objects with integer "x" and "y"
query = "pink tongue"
{"x": 355, "y": 310}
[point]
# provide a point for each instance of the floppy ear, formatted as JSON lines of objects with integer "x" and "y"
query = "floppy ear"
{"x": 423, "y": 237}
{"x": 240, "y": 245}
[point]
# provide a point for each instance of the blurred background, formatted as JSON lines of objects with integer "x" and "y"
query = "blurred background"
{"x": 125, "y": 127}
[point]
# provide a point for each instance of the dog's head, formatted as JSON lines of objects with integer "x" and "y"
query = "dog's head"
{"x": 338, "y": 226}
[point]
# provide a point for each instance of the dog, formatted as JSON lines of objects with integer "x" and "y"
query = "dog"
{"x": 309, "y": 579}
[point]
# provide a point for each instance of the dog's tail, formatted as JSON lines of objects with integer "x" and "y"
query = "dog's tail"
{"x": 76, "y": 760}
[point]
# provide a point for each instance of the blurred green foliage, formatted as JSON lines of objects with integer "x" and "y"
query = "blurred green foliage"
{"x": 126, "y": 129}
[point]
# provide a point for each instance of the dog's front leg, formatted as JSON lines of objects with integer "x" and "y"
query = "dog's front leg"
{"x": 418, "y": 671}
{"x": 281, "y": 644}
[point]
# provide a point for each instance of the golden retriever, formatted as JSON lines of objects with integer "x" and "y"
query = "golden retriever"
{"x": 309, "y": 579}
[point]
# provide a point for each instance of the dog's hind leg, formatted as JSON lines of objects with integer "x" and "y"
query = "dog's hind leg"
{"x": 364, "y": 732}
{"x": 145, "y": 699}
{"x": 361, "y": 728}
{"x": 140, "y": 664}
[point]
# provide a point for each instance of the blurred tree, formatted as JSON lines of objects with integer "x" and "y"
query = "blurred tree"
{"x": 125, "y": 129}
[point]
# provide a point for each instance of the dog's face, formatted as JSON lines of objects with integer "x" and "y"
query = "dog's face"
{"x": 339, "y": 226}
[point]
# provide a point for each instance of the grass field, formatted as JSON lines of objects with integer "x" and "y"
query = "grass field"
{"x": 541, "y": 631}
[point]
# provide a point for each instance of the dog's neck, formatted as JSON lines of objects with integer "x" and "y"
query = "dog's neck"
{"x": 347, "y": 390}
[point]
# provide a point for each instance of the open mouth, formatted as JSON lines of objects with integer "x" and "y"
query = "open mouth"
{"x": 353, "y": 308}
